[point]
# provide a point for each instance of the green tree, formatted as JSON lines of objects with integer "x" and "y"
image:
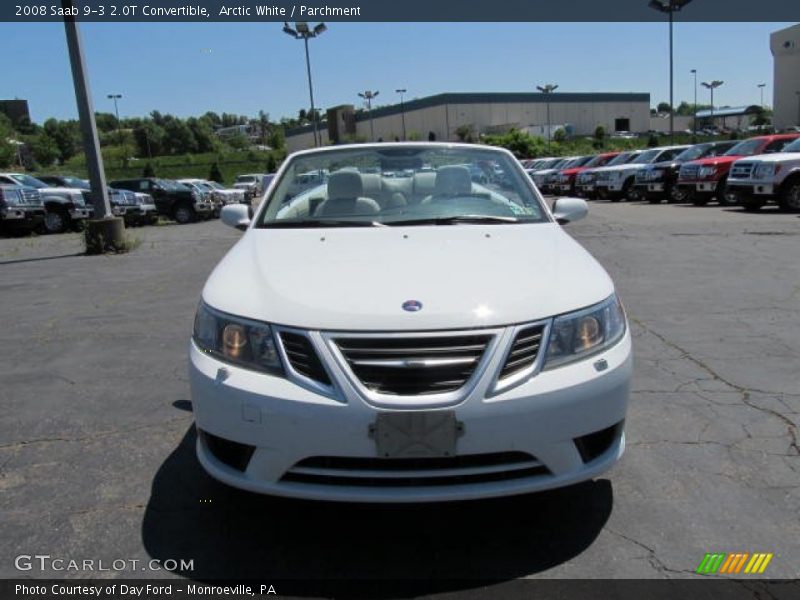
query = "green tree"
{"x": 105, "y": 121}
{"x": 148, "y": 171}
{"x": 238, "y": 141}
{"x": 203, "y": 133}
{"x": 67, "y": 136}
{"x": 7, "y": 149}
{"x": 45, "y": 150}
{"x": 272, "y": 164}
{"x": 559, "y": 135}
{"x": 179, "y": 138}
{"x": 653, "y": 141}
{"x": 663, "y": 107}
{"x": 150, "y": 139}
{"x": 277, "y": 140}
{"x": 215, "y": 174}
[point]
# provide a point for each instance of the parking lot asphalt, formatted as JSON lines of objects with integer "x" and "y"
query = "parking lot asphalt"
{"x": 97, "y": 444}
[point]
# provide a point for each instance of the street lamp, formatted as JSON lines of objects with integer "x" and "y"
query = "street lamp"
{"x": 761, "y": 87}
{"x": 670, "y": 7}
{"x": 303, "y": 32}
{"x": 694, "y": 108}
{"x": 116, "y": 97}
{"x": 712, "y": 85}
{"x": 547, "y": 90}
{"x": 402, "y": 110}
{"x": 368, "y": 96}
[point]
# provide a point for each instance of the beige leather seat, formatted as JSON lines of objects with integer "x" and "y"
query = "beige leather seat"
{"x": 452, "y": 180}
{"x": 345, "y": 197}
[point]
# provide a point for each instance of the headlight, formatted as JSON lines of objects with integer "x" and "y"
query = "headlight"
{"x": 707, "y": 171}
{"x": 241, "y": 342}
{"x": 586, "y": 332}
{"x": 767, "y": 170}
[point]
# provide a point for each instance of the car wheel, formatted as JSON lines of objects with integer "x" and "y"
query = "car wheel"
{"x": 629, "y": 192}
{"x": 677, "y": 194}
{"x": 790, "y": 198}
{"x": 728, "y": 197}
{"x": 752, "y": 204}
{"x": 55, "y": 221}
{"x": 184, "y": 214}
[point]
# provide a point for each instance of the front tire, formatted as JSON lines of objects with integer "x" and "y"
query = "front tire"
{"x": 56, "y": 220}
{"x": 728, "y": 197}
{"x": 184, "y": 214}
{"x": 790, "y": 198}
{"x": 678, "y": 195}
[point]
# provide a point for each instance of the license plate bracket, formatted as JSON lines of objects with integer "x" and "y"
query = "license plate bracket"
{"x": 416, "y": 434}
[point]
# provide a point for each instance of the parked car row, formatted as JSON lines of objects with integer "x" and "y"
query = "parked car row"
{"x": 749, "y": 173}
{"x": 58, "y": 203}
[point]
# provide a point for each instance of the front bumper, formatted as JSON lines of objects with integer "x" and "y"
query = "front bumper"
{"x": 610, "y": 186}
{"x": 283, "y": 424}
{"x": 700, "y": 187}
{"x": 78, "y": 214}
{"x": 764, "y": 189}
{"x": 22, "y": 217}
{"x": 651, "y": 187}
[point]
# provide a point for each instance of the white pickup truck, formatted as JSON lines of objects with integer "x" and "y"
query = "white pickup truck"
{"x": 775, "y": 177}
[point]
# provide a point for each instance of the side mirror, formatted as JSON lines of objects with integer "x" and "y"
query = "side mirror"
{"x": 235, "y": 215}
{"x": 567, "y": 210}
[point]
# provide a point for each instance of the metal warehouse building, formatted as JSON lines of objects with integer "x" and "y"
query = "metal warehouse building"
{"x": 444, "y": 115}
{"x": 785, "y": 46}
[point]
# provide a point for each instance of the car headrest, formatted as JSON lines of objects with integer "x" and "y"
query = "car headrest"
{"x": 453, "y": 179}
{"x": 345, "y": 184}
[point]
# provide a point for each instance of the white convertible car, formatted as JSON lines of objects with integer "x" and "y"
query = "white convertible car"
{"x": 408, "y": 339}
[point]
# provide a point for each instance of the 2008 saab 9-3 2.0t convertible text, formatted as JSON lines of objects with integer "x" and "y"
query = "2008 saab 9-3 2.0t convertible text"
{"x": 413, "y": 325}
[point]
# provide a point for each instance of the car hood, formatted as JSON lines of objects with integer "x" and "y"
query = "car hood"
{"x": 627, "y": 167}
{"x": 773, "y": 158}
{"x": 716, "y": 160}
{"x": 357, "y": 279}
{"x": 62, "y": 190}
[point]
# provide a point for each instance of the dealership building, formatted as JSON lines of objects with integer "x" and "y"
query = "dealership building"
{"x": 785, "y": 46}
{"x": 448, "y": 117}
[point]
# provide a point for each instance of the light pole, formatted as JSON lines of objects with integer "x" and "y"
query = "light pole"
{"x": 670, "y": 7}
{"x": 302, "y": 31}
{"x": 368, "y": 96}
{"x": 116, "y": 97}
{"x": 547, "y": 90}
{"x": 712, "y": 85}
{"x": 761, "y": 87}
{"x": 694, "y": 107}
{"x": 402, "y": 111}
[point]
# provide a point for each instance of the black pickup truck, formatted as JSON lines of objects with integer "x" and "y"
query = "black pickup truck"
{"x": 657, "y": 181}
{"x": 172, "y": 199}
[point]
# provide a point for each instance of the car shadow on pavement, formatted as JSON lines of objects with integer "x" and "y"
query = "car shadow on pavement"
{"x": 231, "y": 534}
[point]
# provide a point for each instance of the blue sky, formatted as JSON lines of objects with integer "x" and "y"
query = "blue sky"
{"x": 187, "y": 69}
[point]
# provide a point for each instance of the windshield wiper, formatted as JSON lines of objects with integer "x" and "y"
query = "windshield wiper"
{"x": 457, "y": 220}
{"x": 312, "y": 223}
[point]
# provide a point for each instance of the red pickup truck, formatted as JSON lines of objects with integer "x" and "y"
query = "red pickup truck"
{"x": 565, "y": 183}
{"x": 707, "y": 178}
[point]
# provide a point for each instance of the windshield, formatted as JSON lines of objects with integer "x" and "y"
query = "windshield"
{"x": 645, "y": 157}
{"x": 620, "y": 159}
{"x": 694, "y": 152}
{"x": 76, "y": 183}
{"x": 358, "y": 190}
{"x": 599, "y": 160}
{"x": 793, "y": 147}
{"x": 172, "y": 186}
{"x": 578, "y": 162}
{"x": 746, "y": 148}
{"x": 215, "y": 185}
{"x": 245, "y": 179}
{"x": 23, "y": 179}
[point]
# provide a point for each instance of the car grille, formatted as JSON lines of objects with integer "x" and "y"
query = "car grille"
{"x": 741, "y": 171}
{"x": 413, "y": 366}
{"x": 523, "y": 351}
{"x": 689, "y": 172}
{"x": 415, "y": 472}
{"x": 31, "y": 196}
{"x": 302, "y": 357}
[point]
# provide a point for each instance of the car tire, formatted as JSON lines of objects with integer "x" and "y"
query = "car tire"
{"x": 56, "y": 220}
{"x": 728, "y": 197}
{"x": 184, "y": 213}
{"x": 790, "y": 197}
{"x": 629, "y": 192}
{"x": 752, "y": 204}
{"x": 677, "y": 195}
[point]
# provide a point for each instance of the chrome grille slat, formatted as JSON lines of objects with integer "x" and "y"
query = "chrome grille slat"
{"x": 413, "y": 365}
{"x": 524, "y": 351}
{"x": 303, "y": 357}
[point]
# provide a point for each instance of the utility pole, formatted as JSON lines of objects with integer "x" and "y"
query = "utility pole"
{"x": 368, "y": 96}
{"x": 116, "y": 97}
{"x": 402, "y": 111}
{"x": 105, "y": 232}
{"x": 712, "y": 85}
{"x": 547, "y": 90}
{"x": 694, "y": 108}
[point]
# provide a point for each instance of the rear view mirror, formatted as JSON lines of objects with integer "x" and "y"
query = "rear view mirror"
{"x": 236, "y": 215}
{"x": 566, "y": 210}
